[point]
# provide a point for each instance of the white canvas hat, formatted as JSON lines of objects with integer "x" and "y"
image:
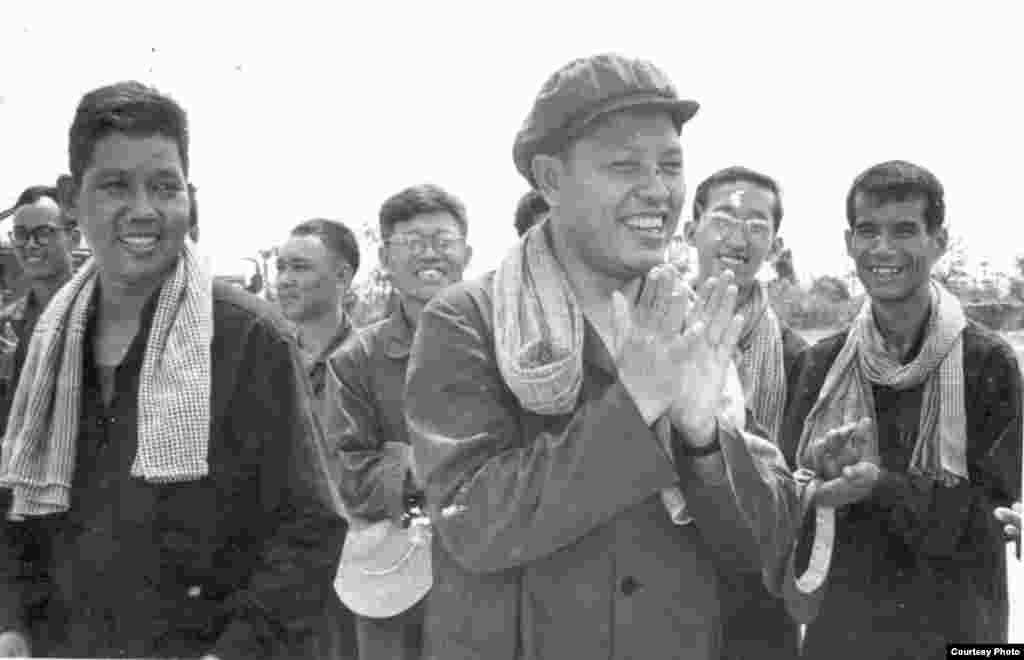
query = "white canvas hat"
{"x": 385, "y": 568}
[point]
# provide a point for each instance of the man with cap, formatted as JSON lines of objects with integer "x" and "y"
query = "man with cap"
{"x": 583, "y": 459}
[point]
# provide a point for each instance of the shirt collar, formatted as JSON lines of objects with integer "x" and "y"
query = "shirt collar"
{"x": 337, "y": 339}
{"x": 397, "y": 334}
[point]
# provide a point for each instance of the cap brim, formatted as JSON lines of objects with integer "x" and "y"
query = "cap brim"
{"x": 681, "y": 110}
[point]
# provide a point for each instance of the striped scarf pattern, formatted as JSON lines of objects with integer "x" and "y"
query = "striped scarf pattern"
{"x": 761, "y": 363}
{"x": 39, "y": 449}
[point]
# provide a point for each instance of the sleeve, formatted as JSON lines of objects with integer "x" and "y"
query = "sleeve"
{"x": 749, "y": 517}
{"x": 370, "y": 473}
{"x": 500, "y": 496}
{"x": 933, "y": 520}
{"x": 22, "y": 557}
{"x": 302, "y": 528}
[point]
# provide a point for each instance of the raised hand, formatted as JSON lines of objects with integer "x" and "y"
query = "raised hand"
{"x": 650, "y": 348}
{"x": 712, "y": 330}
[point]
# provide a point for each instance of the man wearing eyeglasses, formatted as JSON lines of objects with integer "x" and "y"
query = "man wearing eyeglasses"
{"x": 424, "y": 250}
{"x": 736, "y": 217}
{"x": 43, "y": 238}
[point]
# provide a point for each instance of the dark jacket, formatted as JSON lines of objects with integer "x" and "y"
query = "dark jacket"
{"x": 366, "y": 412}
{"x": 237, "y": 564}
{"x": 915, "y": 568}
{"x": 17, "y": 321}
{"x": 551, "y": 537}
{"x": 755, "y": 622}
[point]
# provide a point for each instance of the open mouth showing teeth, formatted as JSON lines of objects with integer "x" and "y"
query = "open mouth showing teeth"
{"x": 140, "y": 242}
{"x": 732, "y": 260}
{"x": 654, "y": 224}
{"x": 885, "y": 272}
{"x": 430, "y": 275}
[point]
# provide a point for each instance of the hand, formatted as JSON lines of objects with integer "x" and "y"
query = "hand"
{"x": 1011, "y": 519}
{"x": 854, "y": 483}
{"x": 650, "y": 347}
{"x": 712, "y": 330}
{"x": 847, "y": 445}
{"x": 14, "y": 645}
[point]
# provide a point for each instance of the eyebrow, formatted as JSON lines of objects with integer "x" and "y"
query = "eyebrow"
{"x": 727, "y": 205}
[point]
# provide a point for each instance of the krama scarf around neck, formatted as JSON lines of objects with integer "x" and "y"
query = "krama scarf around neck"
{"x": 174, "y": 391}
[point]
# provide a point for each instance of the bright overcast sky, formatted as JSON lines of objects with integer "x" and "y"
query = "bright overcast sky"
{"x": 324, "y": 109}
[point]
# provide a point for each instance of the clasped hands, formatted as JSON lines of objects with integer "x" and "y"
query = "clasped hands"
{"x": 675, "y": 349}
{"x": 847, "y": 463}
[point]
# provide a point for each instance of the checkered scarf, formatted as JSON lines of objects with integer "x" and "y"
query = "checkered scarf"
{"x": 846, "y": 396}
{"x": 760, "y": 362}
{"x": 174, "y": 391}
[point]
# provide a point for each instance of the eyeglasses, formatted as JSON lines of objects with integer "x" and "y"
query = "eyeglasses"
{"x": 44, "y": 235}
{"x": 723, "y": 225}
{"x": 416, "y": 244}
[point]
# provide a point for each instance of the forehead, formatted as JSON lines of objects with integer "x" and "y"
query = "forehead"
{"x": 632, "y": 128}
{"x": 119, "y": 152}
{"x": 868, "y": 208}
{"x": 430, "y": 223}
{"x": 303, "y": 248}
{"x": 741, "y": 196}
{"x": 43, "y": 211}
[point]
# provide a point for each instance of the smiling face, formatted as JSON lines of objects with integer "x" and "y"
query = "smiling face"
{"x": 311, "y": 281}
{"x": 43, "y": 218}
{"x": 133, "y": 206}
{"x": 425, "y": 254}
{"x": 735, "y": 231}
{"x": 618, "y": 193}
{"x": 892, "y": 248}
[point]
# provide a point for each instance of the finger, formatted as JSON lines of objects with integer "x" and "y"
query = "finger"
{"x": 721, "y": 311}
{"x": 643, "y": 309}
{"x": 1011, "y": 531}
{"x": 732, "y": 333}
{"x": 661, "y": 279}
{"x": 622, "y": 320}
{"x": 698, "y": 310}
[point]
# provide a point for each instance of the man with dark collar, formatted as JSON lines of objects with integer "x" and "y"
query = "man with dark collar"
{"x": 922, "y": 408}
{"x": 424, "y": 250}
{"x": 43, "y": 237}
{"x": 737, "y": 213}
{"x": 315, "y": 268}
{"x": 169, "y": 489}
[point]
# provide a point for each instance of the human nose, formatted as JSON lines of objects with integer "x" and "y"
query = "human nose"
{"x": 141, "y": 204}
{"x": 653, "y": 186}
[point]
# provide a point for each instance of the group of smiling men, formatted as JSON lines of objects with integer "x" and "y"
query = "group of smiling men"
{"x": 607, "y": 461}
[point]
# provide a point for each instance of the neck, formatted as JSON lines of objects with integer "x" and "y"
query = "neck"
{"x": 122, "y": 301}
{"x": 593, "y": 289}
{"x": 317, "y": 333}
{"x": 43, "y": 289}
{"x": 901, "y": 322}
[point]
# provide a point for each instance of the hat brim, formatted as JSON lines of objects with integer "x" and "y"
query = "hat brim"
{"x": 681, "y": 111}
{"x": 385, "y": 576}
